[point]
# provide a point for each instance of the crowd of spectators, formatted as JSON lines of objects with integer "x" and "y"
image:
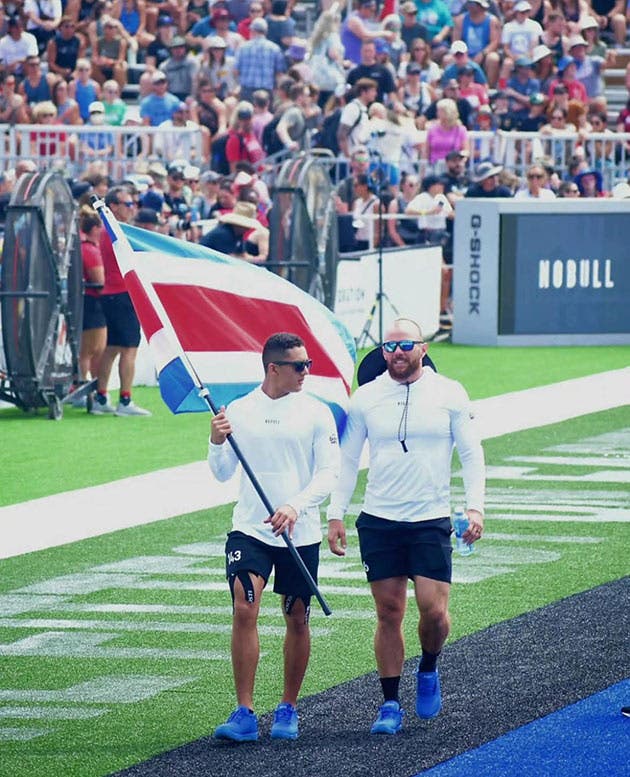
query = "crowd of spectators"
{"x": 394, "y": 91}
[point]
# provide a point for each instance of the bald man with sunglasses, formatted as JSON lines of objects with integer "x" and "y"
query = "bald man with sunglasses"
{"x": 412, "y": 418}
{"x": 289, "y": 440}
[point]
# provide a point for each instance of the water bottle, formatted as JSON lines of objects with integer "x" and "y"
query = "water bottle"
{"x": 460, "y": 524}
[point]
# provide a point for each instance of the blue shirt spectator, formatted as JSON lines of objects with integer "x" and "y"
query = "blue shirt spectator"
{"x": 159, "y": 106}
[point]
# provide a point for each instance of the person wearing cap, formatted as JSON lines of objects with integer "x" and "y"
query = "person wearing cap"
{"x": 486, "y": 182}
{"x": 415, "y": 94}
{"x": 437, "y": 18}
{"x": 227, "y": 236}
{"x": 36, "y": 86}
{"x": 369, "y": 67}
{"x": 611, "y": 16}
{"x": 480, "y": 31}
{"x": 521, "y": 86}
{"x": 590, "y": 183}
{"x": 411, "y": 28}
{"x": 158, "y": 50}
{"x": 464, "y": 108}
{"x": 567, "y": 72}
{"x": 554, "y": 35}
{"x": 160, "y": 104}
{"x": 403, "y": 231}
{"x": 109, "y": 54}
{"x": 588, "y": 67}
{"x": 216, "y": 22}
{"x": 180, "y": 69}
{"x": 459, "y": 53}
{"x": 183, "y": 145}
{"x": 16, "y": 46}
{"x": 590, "y": 32}
{"x": 456, "y": 178}
{"x": 217, "y": 68}
{"x": 476, "y": 94}
{"x": 97, "y": 145}
{"x": 361, "y": 25}
{"x": 520, "y": 36}
{"x": 258, "y": 61}
{"x": 280, "y": 26}
{"x": 536, "y": 115}
{"x": 147, "y": 218}
{"x": 208, "y": 195}
{"x": 543, "y": 66}
{"x": 242, "y": 144}
{"x": 344, "y": 192}
{"x": 412, "y": 417}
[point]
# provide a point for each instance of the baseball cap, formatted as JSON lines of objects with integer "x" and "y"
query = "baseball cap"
{"x": 146, "y": 216}
{"x": 191, "y": 173}
{"x": 178, "y": 40}
{"x": 523, "y": 6}
{"x": 451, "y": 84}
{"x": 96, "y": 107}
{"x": 589, "y": 23}
{"x": 210, "y": 176}
{"x": 259, "y": 25}
{"x": 537, "y": 98}
{"x": 244, "y": 110}
{"x": 152, "y": 199}
{"x": 457, "y": 154}
{"x": 523, "y": 62}
{"x": 178, "y": 107}
{"x": 220, "y": 13}
{"x": 158, "y": 77}
{"x": 466, "y": 70}
{"x": 414, "y": 67}
{"x": 164, "y": 21}
{"x": 482, "y": 3}
{"x": 564, "y": 63}
{"x": 459, "y": 47}
{"x": 215, "y": 42}
{"x": 409, "y": 7}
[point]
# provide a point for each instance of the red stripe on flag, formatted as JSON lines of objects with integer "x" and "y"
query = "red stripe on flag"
{"x": 208, "y": 320}
{"x": 149, "y": 319}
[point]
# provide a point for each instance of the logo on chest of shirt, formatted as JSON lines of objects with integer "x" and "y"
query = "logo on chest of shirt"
{"x": 272, "y": 421}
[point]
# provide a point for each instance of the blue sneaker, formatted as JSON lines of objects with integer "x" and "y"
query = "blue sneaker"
{"x": 389, "y": 719}
{"x": 241, "y": 726}
{"x": 285, "y": 722}
{"x": 428, "y": 695}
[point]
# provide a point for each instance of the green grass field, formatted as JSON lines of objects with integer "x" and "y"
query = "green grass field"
{"x": 116, "y": 648}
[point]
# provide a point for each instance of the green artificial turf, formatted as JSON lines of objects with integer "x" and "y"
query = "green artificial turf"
{"x": 42, "y": 457}
{"x": 128, "y": 733}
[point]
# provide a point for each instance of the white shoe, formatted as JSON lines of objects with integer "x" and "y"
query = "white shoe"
{"x": 131, "y": 409}
{"x": 102, "y": 409}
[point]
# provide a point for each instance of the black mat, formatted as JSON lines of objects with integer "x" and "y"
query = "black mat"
{"x": 492, "y": 682}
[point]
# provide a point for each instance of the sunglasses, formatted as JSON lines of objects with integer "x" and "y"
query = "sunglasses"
{"x": 404, "y": 345}
{"x": 127, "y": 203}
{"x": 299, "y": 366}
{"x": 535, "y": 175}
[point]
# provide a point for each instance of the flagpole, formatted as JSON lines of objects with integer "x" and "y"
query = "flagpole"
{"x": 205, "y": 394}
{"x": 117, "y": 234}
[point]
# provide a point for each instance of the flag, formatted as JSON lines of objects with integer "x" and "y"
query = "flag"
{"x": 206, "y": 317}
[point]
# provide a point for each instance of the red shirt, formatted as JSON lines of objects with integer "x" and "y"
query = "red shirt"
{"x": 114, "y": 282}
{"x": 241, "y": 148}
{"x": 576, "y": 89}
{"x": 91, "y": 257}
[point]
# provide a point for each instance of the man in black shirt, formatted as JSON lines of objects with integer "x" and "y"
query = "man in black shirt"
{"x": 370, "y": 68}
{"x": 411, "y": 28}
{"x": 535, "y": 117}
{"x": 487, "y": 182}
{"x": 227, "y": 236}
{"x": 464, "y": 108}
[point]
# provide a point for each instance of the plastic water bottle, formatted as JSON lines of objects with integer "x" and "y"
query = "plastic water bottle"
{"x": 460, "y": 524}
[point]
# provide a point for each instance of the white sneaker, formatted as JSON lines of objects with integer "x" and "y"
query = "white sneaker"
{"x": 131, "y": 409}
{"x": 99, "y": 409}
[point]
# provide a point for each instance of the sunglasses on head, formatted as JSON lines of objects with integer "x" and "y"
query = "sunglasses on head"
{"x": 298, "y": 366}
{"x": 404, "y": 345}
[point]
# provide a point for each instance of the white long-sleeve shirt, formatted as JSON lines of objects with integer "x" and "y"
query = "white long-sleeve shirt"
{"x": 412, "y": 486}
{"x": 291, "y": 445}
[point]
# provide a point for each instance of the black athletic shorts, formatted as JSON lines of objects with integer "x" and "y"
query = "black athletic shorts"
{"x": 93, "y": 316}
{"x": 397, "y": 548}
{"x": 247, "y": 554}
{"x": 123, "y": 327}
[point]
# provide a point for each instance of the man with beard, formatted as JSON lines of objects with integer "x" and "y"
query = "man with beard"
{"x": 412, "y": 418}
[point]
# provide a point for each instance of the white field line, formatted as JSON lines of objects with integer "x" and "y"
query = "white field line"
{"x": 89, "y": 512}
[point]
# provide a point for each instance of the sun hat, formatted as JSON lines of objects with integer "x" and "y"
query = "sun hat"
{"x": 243, "y": 215}
{"x": 540, "y": 52}
{"x": 485, "y": 170}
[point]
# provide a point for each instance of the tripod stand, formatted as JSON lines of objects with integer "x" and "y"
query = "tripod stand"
{"x": 380, "y": 295}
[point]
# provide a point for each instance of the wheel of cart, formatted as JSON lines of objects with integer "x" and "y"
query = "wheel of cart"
{"x": 41, "y": 295}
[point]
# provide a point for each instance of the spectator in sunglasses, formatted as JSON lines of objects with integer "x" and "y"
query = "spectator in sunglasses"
{"x": 412, "y": 417}
{"x": 290, "y": 442}
{"x": 536, "y": 188}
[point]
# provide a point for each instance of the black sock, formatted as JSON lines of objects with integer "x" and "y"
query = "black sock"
{"x": 101, "y": 397}
{"x": 390, "y": 687}
{"x": 428, "y": 661}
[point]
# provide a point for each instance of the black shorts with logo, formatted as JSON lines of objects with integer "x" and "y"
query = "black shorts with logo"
{"x": 123, "y": 327}
{"x": 398, "y": 548}
{"x": 247, "y": 554}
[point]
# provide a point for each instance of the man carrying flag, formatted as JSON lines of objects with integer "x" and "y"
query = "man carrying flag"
{"x": 290, "y": 440}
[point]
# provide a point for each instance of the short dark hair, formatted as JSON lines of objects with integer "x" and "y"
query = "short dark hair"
{"x": 111, "y": 198}
{"x": 363, "y": 84}
{"x": 277, "y": 345}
